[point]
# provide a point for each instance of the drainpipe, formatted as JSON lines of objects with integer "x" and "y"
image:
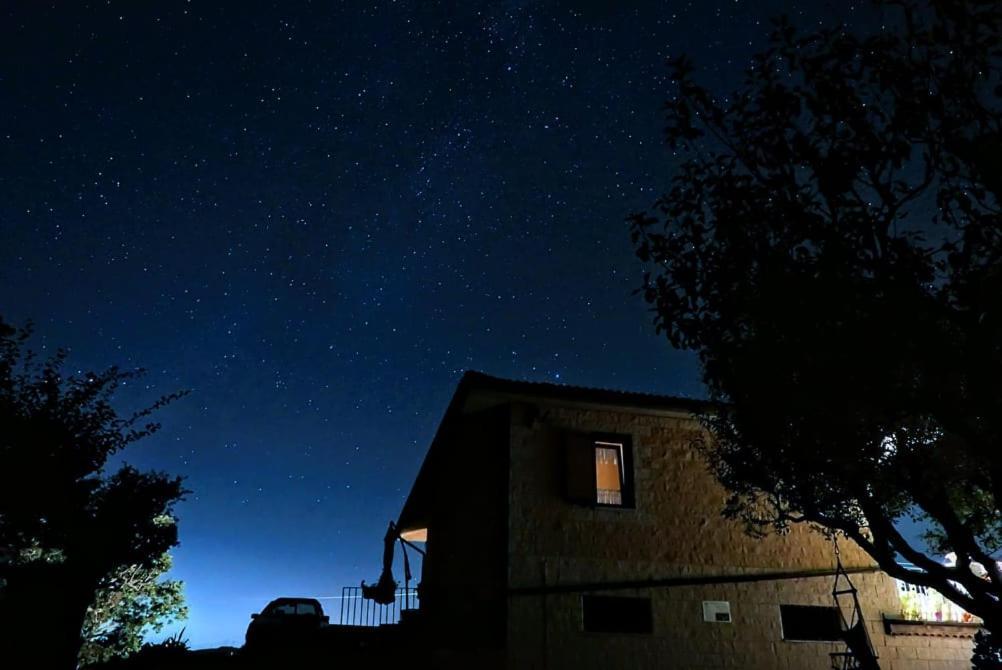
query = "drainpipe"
{"x": 546, "y": 623}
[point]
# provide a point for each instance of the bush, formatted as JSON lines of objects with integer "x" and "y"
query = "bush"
{"x": 987, "y": 654}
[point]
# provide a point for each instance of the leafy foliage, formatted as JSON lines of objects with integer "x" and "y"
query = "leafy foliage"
{"x": 174, "y": 646}
{"x": 831, "y": 248}
{"x": 132, "y": 602}
{"x": 67, "y": 527}
{"x": 987, "y": 656}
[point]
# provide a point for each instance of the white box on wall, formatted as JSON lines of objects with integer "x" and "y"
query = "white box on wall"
{"x": 716, "y": 611}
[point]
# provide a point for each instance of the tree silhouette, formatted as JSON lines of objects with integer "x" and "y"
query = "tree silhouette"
{"x": 831, "y": 248}
{"x": 986, "y": 656}
{"x": 66, "y": 527}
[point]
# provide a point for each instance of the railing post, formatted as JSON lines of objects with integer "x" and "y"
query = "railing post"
{"x": 356, "y": 610}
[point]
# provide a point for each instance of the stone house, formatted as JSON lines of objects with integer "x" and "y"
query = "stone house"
{"x": 568, "y": 527}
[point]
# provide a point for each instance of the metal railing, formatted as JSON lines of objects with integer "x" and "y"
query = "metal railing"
{"x": 357, "y": 611}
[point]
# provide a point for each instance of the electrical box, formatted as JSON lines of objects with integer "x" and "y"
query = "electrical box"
{"x": 716, "y": 611}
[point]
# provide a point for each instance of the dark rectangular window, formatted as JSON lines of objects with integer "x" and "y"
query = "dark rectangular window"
{"x": 616, "y": 614}
{"x": 810, "y": 623}
{"x": 598, "y": 470}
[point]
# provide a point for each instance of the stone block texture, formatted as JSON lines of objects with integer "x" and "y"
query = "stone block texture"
{"x": 674, "y": 530}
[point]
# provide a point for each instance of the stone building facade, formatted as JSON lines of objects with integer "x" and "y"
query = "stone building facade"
{"x": 525, "y": 568}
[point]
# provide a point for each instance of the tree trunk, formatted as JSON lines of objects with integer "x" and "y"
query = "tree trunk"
{"x": 42, "y": 610}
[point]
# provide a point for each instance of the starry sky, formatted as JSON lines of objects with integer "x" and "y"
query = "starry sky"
{"x": 316, "y": 216}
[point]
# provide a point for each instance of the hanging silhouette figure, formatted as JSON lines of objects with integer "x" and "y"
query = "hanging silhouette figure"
{"x": 385, "y": 589}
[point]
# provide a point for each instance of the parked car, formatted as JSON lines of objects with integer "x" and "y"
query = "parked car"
{"x": 286, "y": 620}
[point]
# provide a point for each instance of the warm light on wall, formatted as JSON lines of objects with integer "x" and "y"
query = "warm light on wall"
{"x": 415, "y": 535}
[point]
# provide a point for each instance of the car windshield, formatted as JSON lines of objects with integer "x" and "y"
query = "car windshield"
{"x": 286, "y": 609}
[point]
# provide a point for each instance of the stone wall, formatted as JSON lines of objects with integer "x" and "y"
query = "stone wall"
{"x": 675, "y": 530}
{"x": 463, "y": 601}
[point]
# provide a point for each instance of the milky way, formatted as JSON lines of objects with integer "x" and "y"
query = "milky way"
{"x": 317, "y": 215}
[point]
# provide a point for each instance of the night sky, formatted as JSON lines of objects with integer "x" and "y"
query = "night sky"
{"x": 316, "y": 216}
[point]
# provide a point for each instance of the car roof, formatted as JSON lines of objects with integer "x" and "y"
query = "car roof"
{"x": 286, "y": 600}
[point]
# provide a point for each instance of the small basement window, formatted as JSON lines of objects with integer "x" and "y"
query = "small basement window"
{"x": 810, "y": 623}
{"x": 616, "y": 614}
{"x": 598, "y": 470}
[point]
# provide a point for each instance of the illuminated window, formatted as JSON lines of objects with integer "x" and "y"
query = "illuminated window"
{"x": 598, "y": 470}
{"x": 608, "y": 473}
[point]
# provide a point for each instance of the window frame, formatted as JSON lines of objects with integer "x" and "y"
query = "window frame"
{"x": 625, "y": 444}
{"x": 574, "y": 490}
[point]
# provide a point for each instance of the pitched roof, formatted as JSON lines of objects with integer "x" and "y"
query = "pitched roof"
{"x": 474, "y": 380}
{"x": 412, "y": 514}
